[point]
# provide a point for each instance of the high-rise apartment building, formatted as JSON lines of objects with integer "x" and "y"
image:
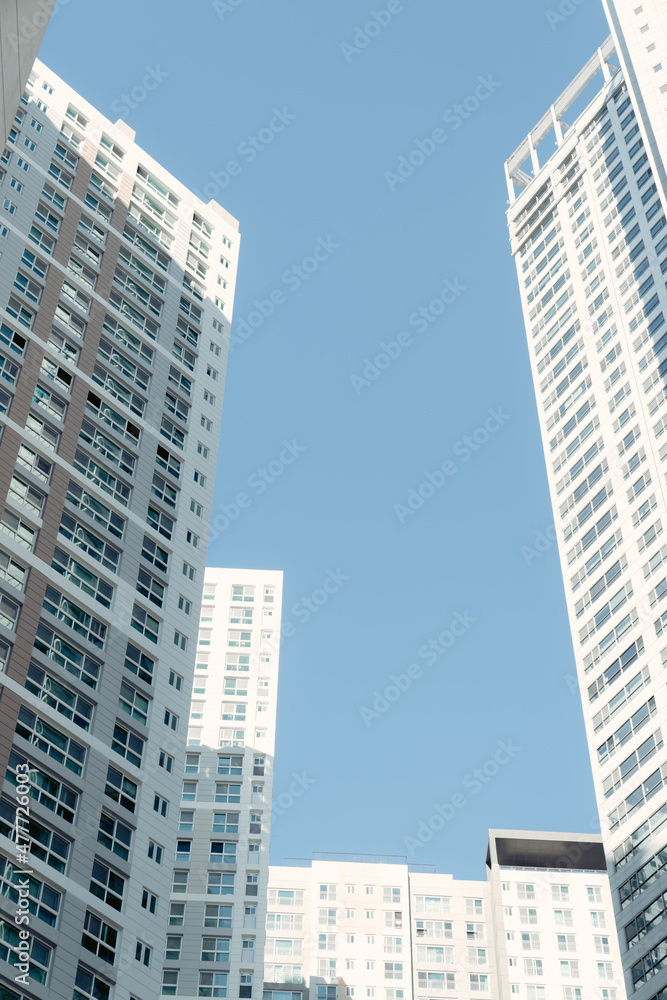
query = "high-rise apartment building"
{"x": 552, "y": 917}
{"x": 116, "y": 288}
{"x": 215, "y": 940}
{"x": 374, "y": 929}
{"x": 589, "y": 235}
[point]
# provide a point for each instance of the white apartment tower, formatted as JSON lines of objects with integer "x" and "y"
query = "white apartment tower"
{"x": 374, "y": 929}
{"x": 589, "y": 235}
{"x": 215, "y": 940}
{"x": 116, "y": 289}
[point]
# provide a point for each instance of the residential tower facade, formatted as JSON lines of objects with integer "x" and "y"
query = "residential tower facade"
{"x": 589, "y": 236}
{"x": 540, "y": 927}
{"x": 116, "y": 289}
{"x": 215, "y": 940}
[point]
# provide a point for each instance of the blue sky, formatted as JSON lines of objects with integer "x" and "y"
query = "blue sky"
{"x": 332, "y": 118}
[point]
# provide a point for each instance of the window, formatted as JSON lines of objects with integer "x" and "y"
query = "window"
{"x": 189, "y": 792}
{"x": 183, "y": 850}
{"x": 160, "y": 805}
{"x": 530, "y": 942}
{"x": 66, "y": 655}
{"x": 107, "y": 885}
{"x": 89, "y": 987}
{"x": 176, "y": 914}
{"x": 566, "y": 942}
{"x": 155, "y": 854}
{"x": 214, "y": 984}
{"x": 475, "y": 932}
{"x": 231, "y": 711}
{"x": 524, "y": 891}
{"x": 142, "y": 953}
{"x": 173, "y": 948}
{"x": 479, "y": 981}
{"x": 169, "y": 983}
{"x": 225, "y": 792}
{"x": 433, "y": 980}
{"x": 186, "y": 820}
{"x": 601, "y": 945}
{"x": 218, "y": 915}
{"x": 220, "y": 884}
{"x": 128, "y": 745}
{"x": 49, "y": 740}
{"x": 99, "y": 938}
{"x": 474, "y": 907}
{"x": 12, "y": 572}
{"x": 184, "y": 605}
{"x": 121, "y": 789}
{"x": 179, "y": 881}
{"x": 175, "y": 681}
{"x": 161, "y": 522}
{"x": 150, "y": 588}
{"x": 594, "y": 894}
{"x": 42, "y": 901}
{"x": 45, "y": 434}
{"x": 534, "y": 966}
{"x": 115, "y": 836}
{"x": 144, "y": 623}
{"x": 225, "y": 822}
{"x": 139, "y": 663}
{"x": 133, "y": 703}
{"x": 38, "y": 955}
{"x": 155, "y": 554}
